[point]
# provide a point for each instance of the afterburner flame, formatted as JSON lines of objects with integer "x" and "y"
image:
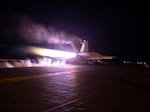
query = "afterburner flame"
{"x": 52, "y": 53}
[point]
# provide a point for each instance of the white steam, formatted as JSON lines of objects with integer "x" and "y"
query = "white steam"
{"x": 33, "y": 32}
{"x": 10, "y": 63}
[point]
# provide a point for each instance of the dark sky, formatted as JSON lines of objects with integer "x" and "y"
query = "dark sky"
{"x": 111, "y": 27}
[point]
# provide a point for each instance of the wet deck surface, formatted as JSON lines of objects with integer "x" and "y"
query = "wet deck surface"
{"x": 103, "y": 88}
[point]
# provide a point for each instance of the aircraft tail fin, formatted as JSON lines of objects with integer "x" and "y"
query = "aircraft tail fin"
{"x": 84, "y": 47}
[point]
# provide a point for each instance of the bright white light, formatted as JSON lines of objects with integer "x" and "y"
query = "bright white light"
{"x": 124, "y": 61}
{"x": 52, "y": 53}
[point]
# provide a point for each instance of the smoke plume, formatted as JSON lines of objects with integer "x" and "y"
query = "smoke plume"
{"x": 33, "y": 32}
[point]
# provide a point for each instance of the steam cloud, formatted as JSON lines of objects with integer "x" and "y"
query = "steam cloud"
{"x": 4, "y": 63}
{"x": 33, "y": 32}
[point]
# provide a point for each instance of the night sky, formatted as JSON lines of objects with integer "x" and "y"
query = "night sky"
{"x": 111, "y": 27}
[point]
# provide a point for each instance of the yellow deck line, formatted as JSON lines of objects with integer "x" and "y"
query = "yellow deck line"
{"x": 21, "y": 78}
{"x": 146, "y": 65}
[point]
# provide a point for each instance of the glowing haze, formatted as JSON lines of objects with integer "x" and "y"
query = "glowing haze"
{"x": 33, "y": 33}
{"x": 51, "y": 53}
